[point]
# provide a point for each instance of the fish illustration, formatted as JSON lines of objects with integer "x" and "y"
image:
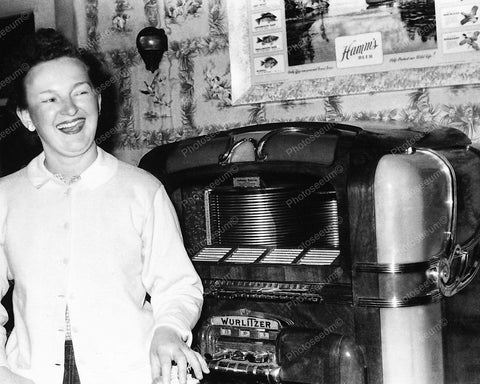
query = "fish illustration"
{"x": 265, "y": 17}
{"x": 269, "y": 62}
{"x": 267, "y": 39}
{"x": 471, "y": 40}
{"x": 470, "y": 16}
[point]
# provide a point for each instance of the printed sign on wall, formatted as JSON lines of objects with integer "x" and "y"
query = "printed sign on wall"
{"x": 354, "y": 51}
{"x": 306, "y": 47}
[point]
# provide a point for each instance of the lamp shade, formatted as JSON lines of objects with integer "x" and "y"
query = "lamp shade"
{"x": 151, "y": 44}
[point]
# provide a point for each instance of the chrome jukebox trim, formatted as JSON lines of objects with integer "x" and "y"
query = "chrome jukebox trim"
{"x": 446, "y": 286}
{"x": 453, "y": 187}
{"x": 279, "y": 291}
{"x": 261, "y": 155}
{"x": 325, "y": 128}
{"x": 399, "y": 302}
{"x": 396, "y": 268}
{"x": 449, "y": 283}
{"x": 428, "y": 269}
{"x": 225, "y": 157}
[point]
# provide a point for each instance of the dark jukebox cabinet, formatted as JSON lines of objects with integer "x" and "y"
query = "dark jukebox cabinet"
{"x": 330, "y": 253}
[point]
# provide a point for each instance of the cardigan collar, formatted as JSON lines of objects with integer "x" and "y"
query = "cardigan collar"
{"x": 98, "y": 173}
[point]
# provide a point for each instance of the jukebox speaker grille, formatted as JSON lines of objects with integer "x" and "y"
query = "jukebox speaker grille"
{"x": 273, "y": 216}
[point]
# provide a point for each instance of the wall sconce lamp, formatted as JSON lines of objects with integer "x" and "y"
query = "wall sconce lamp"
{"x": 151, "y": 44}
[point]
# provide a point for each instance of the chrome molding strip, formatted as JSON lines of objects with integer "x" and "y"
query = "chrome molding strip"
{"x": 245, "y": 368}
{"x": 380, "y": 302}
{"x": 396, "y": 268}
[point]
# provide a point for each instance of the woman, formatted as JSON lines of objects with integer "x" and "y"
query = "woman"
{"x": 85, "y": 237}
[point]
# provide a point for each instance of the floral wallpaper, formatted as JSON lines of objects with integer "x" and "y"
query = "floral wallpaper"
{"x": 190, "y": 94}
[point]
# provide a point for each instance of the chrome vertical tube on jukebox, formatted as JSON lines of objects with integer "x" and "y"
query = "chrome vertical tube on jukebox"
{"x": 414, "y": 201}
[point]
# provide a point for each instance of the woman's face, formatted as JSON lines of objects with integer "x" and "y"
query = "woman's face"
{"x": 62, "y": 106}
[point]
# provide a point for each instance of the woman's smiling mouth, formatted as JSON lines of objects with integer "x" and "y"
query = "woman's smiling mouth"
{"x": 71, "y": 127}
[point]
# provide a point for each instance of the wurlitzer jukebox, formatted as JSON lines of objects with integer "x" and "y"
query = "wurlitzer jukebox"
{"x": 332, "y": 253}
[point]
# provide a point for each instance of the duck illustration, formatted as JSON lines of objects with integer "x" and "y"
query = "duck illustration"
{"x": 470, "y": 16}
{"x": 471, "y": 40}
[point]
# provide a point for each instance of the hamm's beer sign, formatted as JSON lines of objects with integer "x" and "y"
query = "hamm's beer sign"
{"x": 359, "y": 50}
{"x": 246, "y": 322}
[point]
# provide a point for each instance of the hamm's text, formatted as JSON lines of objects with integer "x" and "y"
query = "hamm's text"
{"x": 353, "y": 49}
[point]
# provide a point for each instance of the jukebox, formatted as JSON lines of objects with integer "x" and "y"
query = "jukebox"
{"x": 332, "y": 253}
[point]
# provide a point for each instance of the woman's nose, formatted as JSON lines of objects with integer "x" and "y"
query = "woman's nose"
{"x": 69, "y": 107}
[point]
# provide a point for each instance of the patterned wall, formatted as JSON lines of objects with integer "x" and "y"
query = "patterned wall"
{"x": 190, "y": 93}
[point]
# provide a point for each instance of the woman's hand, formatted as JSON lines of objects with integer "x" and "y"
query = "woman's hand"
{"x": 167, "y": 346}
{"x": 8, "y": 377}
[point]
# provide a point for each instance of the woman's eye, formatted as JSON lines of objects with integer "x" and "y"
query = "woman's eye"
{"x": 49, "y": 100}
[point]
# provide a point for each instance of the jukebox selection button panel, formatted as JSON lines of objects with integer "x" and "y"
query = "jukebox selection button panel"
{"x": 248, "y": 333}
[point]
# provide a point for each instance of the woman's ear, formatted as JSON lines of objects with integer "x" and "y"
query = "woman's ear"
{"x": 25, "y": 118}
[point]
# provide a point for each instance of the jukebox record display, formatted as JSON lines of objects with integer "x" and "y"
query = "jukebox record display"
{"x": 275, "y": 216}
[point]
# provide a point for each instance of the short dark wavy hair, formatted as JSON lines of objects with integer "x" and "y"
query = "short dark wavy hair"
{"x": 45, "y": 45}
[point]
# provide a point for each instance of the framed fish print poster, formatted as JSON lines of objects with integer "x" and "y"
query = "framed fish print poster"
{"x": 296, "y": 49}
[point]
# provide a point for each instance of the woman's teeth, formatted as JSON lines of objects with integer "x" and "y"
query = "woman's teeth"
{"x": 71, "y": 126}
